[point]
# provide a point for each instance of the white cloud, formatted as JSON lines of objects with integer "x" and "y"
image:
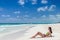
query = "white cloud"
{"x": 42, "y": 8}
{"x": 44, "y": 16}
{"x": 8, "y": 15}
{"x": 58, "y": 15}
{"x": 42, "y": 19}
{"x": 46, "y": 8}
{"x": 12, "y": 19}
{"x": 44, "y": 1}
{"x": 5, "y": 15}
{"x": 17, "y": 12}
{"x": 34, "y": 1}
{"x": 26, "y": 15}
{"x": 21, "y": 2}
{"x": 52, "y": 8}
{"x": 52, "y": 16}
{"x": 18, "y": 16}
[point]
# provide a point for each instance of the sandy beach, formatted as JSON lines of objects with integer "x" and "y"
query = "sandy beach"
{"x": 26, "y": 31}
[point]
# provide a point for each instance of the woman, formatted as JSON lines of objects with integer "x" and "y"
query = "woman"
{"x": 48, "y": 34}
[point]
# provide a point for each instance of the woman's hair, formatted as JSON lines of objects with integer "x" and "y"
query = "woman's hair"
{"x": 50, "y": 29}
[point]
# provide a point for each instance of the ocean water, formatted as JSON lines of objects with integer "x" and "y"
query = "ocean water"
{"x": 11, "y": 27}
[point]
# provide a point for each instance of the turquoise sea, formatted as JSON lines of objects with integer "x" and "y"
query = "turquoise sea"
{"x": 23, "y": 23}
{"x": 17, "y": 24}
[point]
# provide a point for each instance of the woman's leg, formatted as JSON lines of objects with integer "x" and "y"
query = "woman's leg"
{"x": 38, "y": 33}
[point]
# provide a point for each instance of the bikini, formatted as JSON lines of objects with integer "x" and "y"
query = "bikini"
{"x": 45, "y": 34}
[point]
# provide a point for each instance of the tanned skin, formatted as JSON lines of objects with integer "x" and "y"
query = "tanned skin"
{"x": 44, "y": 35}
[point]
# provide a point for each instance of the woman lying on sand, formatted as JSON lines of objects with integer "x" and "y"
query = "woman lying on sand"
{"x": 48, "y": 34}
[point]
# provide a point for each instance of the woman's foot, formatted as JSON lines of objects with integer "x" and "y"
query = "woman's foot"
{"x": 33, "y": 37}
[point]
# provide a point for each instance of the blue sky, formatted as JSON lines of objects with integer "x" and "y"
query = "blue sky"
{"x": 29, "y": 11}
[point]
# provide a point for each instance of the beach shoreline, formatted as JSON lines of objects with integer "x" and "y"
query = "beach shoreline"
{"x": 30, "y": 29}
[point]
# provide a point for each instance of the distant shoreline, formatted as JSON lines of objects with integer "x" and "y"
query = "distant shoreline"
{"x": 23, "y": 23}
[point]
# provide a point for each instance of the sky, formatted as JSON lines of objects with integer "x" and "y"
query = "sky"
{"x": 29, "y": 11}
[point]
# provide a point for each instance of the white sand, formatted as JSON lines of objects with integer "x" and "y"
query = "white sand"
{"x": 33, "y": 29}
